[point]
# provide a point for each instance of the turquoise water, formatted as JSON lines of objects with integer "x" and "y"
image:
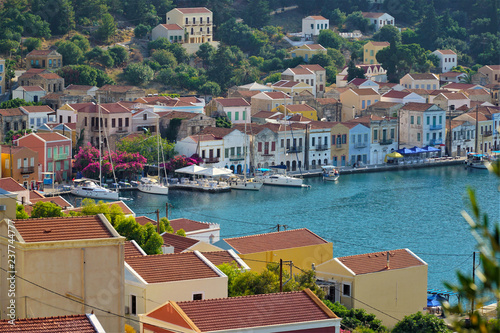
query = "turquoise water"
{"x": 417, "y": 209}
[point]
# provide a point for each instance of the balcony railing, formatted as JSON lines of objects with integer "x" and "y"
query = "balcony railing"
{"x": 294, "y": 149}
{"x": 27, "y": 170}
{"x": 96, "y": 128}
{"x": 385, "y": 142}
{"x": 237, "y": 157}
{"x": 58, "y": 157}
{"x": 435, "y": 127}
{"x": 211, "y": 160}
{"x": 321, "y": 147}
{"x": 487, "y": 133}
{"x": 434, "y": 142}
{"x": 267, "y": 154}
{"x": 338, "y": 146}
{"x": 360, "y": 145}
{"x": 122, "y": 130}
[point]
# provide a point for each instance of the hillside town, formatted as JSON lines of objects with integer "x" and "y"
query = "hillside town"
{"x": 194, "y": 100}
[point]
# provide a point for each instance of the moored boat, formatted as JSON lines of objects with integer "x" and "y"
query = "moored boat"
{"x": 249, "y": 184}
{"x": 268, "y": 177}
{"x": 152, "y": 186}
{"x": 330, "y": 173}
{"x": 478, "y": 161}
{"x": 90, "y": 189}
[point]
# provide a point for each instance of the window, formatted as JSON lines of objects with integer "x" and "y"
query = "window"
{"x": 273, "y": 146}
{"x": 282, "y": 143}
{"x": 229, "y": 115}
{"x": 218, "y": 152}
{"x": 113, "y": 122}
{"x": 365, "y": 137}
{"x": 418, "y": 120}
{"x": 244, "y": 115}
{"x": 418, "y": 136}
{"x": 120, "y": 122}
{"x": 417, "y": 86}
{"x": 313, "y": 142}
{"x": 412, "y": 120}
{"x": 259, "y": 149}
{"x": 363, "y": 104}
{"x": 371, "y": 53}
{"x": 454, "y": 136}
{"x": 133, "y": 304}
{"x": 226, "y": 153}
{"x": 232, "y": 151}
{"x": 344, "y": 138}
{"x": 427, "y": 137}
{"x": 66, "y": 165}
{"x": 203, "y": 153}
{"x": 32, "y": 161}
{"x": 197, "y": 297}
{"x": 353, "y": 138}
{"x": 346, "y": 289}
{"x": 440, "y": 120}
{"x": 236, "y": 116}
{"x": 392, "y": 133}
{"x": 19, "y": 163}
{"x": 145, "y": 116}
{"x": 428, "y": 120}
{"x": 50, "y": 166}
{"x": 49, "y": 152}
{"x": 375, "y": 135}
{"x": 32, "y": 121}
{"x": 85, "y": 121}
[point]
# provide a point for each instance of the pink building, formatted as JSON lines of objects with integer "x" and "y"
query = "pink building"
{"x": 54, "y": 153}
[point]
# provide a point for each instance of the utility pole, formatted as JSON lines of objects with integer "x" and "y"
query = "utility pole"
{"x": 473, "y": 278}
{"x": 449, "y": 137}
{"x": 281, "y": 275}
{"x": 158, "y": 220}
{"x": 278, "y": 226}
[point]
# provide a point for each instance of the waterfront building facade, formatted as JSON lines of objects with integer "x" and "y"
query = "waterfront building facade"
{"x": 421, "y": 124}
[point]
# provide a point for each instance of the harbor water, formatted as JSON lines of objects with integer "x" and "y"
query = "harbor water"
{"x": 417, "y": 209}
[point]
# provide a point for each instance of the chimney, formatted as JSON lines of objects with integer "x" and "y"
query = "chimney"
{"x": 388, "y": 260}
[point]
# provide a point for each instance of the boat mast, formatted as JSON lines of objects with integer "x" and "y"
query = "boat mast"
{"x": 158, "y": 144}
{"x": 477, "y": 128}
{"x": 245, "y": 148}
{"x": 100, "y": 147}
{"x": 285, "y": 134}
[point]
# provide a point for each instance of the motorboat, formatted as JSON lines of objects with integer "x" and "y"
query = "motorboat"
{"x": 250, "y": 184}
{"x": 90, "y": 189}
{"x": 477, "y": 161}
{"x": 152, "y": 186}
{"x": 268, "y": 177}
{"x": 330, "y": 173}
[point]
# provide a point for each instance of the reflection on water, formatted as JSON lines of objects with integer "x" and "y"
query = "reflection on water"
{"x": 416, "y": 209}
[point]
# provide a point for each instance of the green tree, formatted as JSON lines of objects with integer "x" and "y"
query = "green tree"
{"x": 336, "y": 17}
{"x": 138, "y": 74}
{"x": 322, "y": 59}
{"x": 180, "y": 232}
{"x": 70, "y": 52}
{"x": 141, "y": 30}
{"x": 388, "y": 33}
{"x": 337, "y": 57}
{"x": 355, "y": 318}
{"x": 330, "y": 39}
{"x": 84, "y": 75}
{"x": 428, "y": 29}
{"x": 356, "y": 21}
{"x": 107, "y": 28}
{"x": 21, "y": 213}
{"x": 46, "y": 209}
{"x": 16, "y": 102}
{"x": 210, "y": 88}
{"x": 165, "y": 226}
{"x": 401, "y": 59}
{"x": 223, "y": 122}
{"x": 11, "y": 135}
{"x": 81, "y": 41}
{"x": 331, "y": 74}
{"x": 119, "y": 54}
{"x": 147, "y": 146}
{"x": 257, "y": 13}
{"x": 32, "y": 43}
{"x": 162, "y": 43}
{"x": 275, "y": 77}
{"x": 164, "y": 58}
{"x": 221, "y": 66}
{"x": 99, "y": 56}
{"x": 354, "y": 72}
{"x": 419, "y": 322}
{"x": 205, "y": 52}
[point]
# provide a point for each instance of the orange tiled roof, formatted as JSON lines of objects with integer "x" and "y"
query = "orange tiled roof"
{"x": 61, "y": 324}
{"x": 188, "y": 225}
{"x": 275, "y": 241}
{"x": 423, "y": 76}
{"x": 396, "y": 94}
{"x": 299, "y": 107}
{"x": 32, "y": 88}
{"x": 50, "y": 76}
{"x": 312, "y": 67}
{"x": 11, "y": 112}
{"x": 325, "y": 101}
{"x": 37, "y": 108}
{"x": 231, "y": 102}
{"x": 377, "y": 262}
{"x": 193, "y": 10}
{"x": 10, "y": 185}
{"x": 171, "y": 267}
{"x": 460, "y": 86}
{"x": 172, "y": 27}
{"x": 36, "y": 195}
{"x": 54, "y": 136}
{"x": 247, "y": 311}
{"x": 220, "y": 257}
{"x": 180, "y": 243}
{"x": 62, "y": 228}
{"x": 318, "y": 17}
{"x": 417, "y": 106}
{"x": 131, "y": 250}
{"x": 58, "y": 200}
{"x": 143, "y": 220}
{"x": 379, "y": 43}
{"x": 446, "y": 52}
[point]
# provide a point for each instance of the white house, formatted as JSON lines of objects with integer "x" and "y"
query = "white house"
{"x": 237, "y": 110}
{"x": 173, "y": 32}
{"x": 29, "y": 93}
{"x": 402, "y": 97}
{"x": 38, "y": 115}
{"x": 359, "y": 83}
{"x": 319, "y": 143}
{"x": 451, "y": 100}
{"x": 312, "y": 25}
{"x": 427, "y": 81}
{"x": 454, "y": 77}
{"x": 447, "y": 59}
{"x": 421, "y": 124}
{"x": 462, "y": 137}
{"x": 208, "y": 146}
{"x": 145, "y": 119}
{"x": 372, "y": 72}
{"x": 300, "y": 74}
{"x": 379, "y": 19}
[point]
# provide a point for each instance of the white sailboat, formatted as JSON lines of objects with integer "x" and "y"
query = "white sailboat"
{"x": 153, "y": 185}
{"x": 249, "y": 184}
{"x": 89, "y": 188}
{"x": 279, "y": 179}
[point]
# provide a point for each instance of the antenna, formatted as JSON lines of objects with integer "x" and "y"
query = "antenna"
{"x": 388, "y": 260}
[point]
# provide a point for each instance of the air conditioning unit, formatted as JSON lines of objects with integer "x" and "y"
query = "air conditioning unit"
{"x": 127, "y": 309}
{"x": 3, "y": 208}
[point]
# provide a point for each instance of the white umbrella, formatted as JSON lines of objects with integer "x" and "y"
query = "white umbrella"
{"x": 214, "y": 172}
{"x": 190, "y": 169}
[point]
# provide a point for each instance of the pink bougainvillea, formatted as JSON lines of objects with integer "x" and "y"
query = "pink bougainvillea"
{"x": 181, "y": 161}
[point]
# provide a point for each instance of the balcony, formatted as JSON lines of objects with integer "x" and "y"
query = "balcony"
{"x": 434, "y": 142}
{"x": 321, "y": 147}
{"x": 122, "y": 130}
{"x": 58, "y": 157}
{"x": 435, "y": 127}
{"x": 211, "y": 160}
{"x": 237, "y": 157}
{"x": 96, "y": 129}
{"x": 360, "y": 145}
{"x": 385, "y": 142}
{"x": 267, "y": 154}
{"x": 27, "y": 170}
{"x": 487, "y": 133}
{"x": 338, "y": 146}
{"x": 294, "y": 149}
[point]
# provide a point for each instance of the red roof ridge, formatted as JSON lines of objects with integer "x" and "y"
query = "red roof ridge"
{"x": 269, "y": 233}
{"x": 239, "y": 297}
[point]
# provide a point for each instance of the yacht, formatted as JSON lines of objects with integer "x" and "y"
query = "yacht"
{"x": 152, "y": 186}
{"x": 477, "y": 161}
{"x": 268, "y": 177}
{"x": 90, "y": 189}
{"x": 250, "y": 184}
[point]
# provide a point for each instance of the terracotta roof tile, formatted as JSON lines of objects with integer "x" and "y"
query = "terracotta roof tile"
{"x": 32, "y": 88}
{"x": 79, "y": 87}
{"x": 315, "y": 46}
{"x": 363, "y": 92}
{"x": 446, "y": 52}
{"x": 312, "y": 67}
{"x": 113, "y": 88}
{"x": 179, "y": 114}
{"x": 49, "y": 76}
{"x": 58, "y": 200}
{"x": 39, "y": 52}
{"x": 452, "y": 74}
{"x": 417, "y": 106}
{"x": 476, "y": 92}
{"x": 396, "y": 94}
{"x": 52, "y": 136}
{"x": 374, "y": 43}
{"x": 36, "y": 195}
{"x": 217, "y": 132}
{"x": 280, "y": 308}
{"x": 180, "y": 243}
{"x": 188, "y": 225}
{"x": 276, "y": 95}
{"x": 325, "y": 101}
{"x": 62, "y": 228}
{"x": 384, "y": 105}
{"x": 423, "y": 76}
{"x": 263, "y": 114}
{"x": 231, "y": 102}
{"x": 377, "y": 262}
{"x": 193, "y": 10}
{"x": 371, "y": 14}
{"x": 172, "y": 27}
{"x": 9, "y": 184}
{"x": 317, "y": 17}
{"x": 143, "y": 220}
{"x": 132, "y": 250}
{"x": 37, "y": 108}
{"x": 452, "y": 95}
{"x": 220, "y": 257}
{"x": 459, "y": 86}
{"x": 299, "y": 107}
{"x": 285, "y": 84}
{"x": 61, "y": 324}
{"x": 300, "y": 71}
{"x": 275, "y": 241}
{"x": 357, "y": 81}
{"x": 171, "y": 267}
{"x": 11, "y": 112}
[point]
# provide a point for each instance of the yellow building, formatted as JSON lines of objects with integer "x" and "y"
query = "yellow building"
{"x": 307, "y": 51}
{"x": 370, "y": 50}
{"x": 197, "y": 23}
{"x": 81, "y": 258}
{"x": 340, "y": 144}
{"x": 175, "y": 277}
{"x": 8, "y": 201}
{"x": 300, "y": 246}
{"x": 302, "y": 109}
{"x": 292, "y": 88}
{"x": 355, "y": 100}
{"x": 389, "y": 284}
